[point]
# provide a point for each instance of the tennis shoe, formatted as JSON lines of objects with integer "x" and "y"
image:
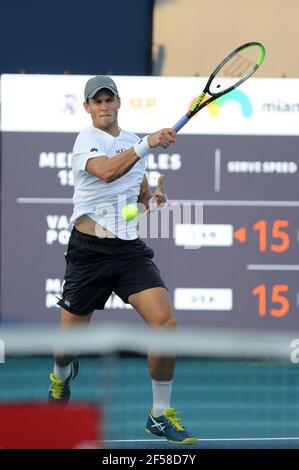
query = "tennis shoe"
{"x": 169, "y": 426}
{"x": 60, "y": 390}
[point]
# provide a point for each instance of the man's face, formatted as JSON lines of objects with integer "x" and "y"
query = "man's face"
{"x": 103, "y": 108}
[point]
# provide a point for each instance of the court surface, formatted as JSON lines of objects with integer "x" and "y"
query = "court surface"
{"x": 225, "y": 404}
{"x": 237, "y": 443}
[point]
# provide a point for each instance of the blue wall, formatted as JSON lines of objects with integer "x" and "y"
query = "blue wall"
{"x": 84, "y": 37}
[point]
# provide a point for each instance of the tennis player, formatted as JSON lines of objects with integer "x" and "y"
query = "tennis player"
{"x": 105, "y": 254}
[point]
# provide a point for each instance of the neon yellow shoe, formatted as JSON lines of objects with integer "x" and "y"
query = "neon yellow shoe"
{"x": 60, "y": 390}
{"x": 169, "y": 426}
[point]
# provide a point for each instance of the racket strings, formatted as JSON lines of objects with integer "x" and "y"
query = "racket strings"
{"x": 239, "y": 67}
{"x": 233, "y": 71}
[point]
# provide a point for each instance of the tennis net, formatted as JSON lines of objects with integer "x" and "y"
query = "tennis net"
{"x": 229, "y": 385}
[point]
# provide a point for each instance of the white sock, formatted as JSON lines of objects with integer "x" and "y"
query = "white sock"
{"x": 62, "y": 373}
{"x": 161, "y": 396}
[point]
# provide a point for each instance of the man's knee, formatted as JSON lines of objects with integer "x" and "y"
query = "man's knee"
{"x": 165, "y": 321}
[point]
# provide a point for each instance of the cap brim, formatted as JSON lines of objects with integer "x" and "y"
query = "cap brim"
{"x": 105, "y": 87}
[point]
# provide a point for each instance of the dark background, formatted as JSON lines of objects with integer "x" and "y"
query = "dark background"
{"x": 78, "y": 37}
{"x": 28, "y": 261}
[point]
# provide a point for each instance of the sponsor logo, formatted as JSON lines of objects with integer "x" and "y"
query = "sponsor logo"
{"x": 280, "y": 107}
{"x": 142, "y": 105}
{"x": 236, "y": 95}
{"x": 157, "y": 425}
{"x": 69, "y": 104}
{"x": 119, "y": 151}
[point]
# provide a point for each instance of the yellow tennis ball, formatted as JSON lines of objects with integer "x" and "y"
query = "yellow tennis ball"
{"x": 129, "y": 212}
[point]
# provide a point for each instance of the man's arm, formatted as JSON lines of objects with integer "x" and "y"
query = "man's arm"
{"x": 110, "y": 169}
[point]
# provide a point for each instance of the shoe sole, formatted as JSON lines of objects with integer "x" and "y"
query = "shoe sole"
{"x": 187, "y": 441}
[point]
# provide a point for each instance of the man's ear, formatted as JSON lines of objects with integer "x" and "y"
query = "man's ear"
{"x": 86, "y": 106}
{"x": 119, "y": 102}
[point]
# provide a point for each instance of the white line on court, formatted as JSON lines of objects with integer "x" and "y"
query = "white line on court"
{"x": 211, "y": 440}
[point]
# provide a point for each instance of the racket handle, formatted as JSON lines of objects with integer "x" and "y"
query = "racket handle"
{"x": 181, "y": 123}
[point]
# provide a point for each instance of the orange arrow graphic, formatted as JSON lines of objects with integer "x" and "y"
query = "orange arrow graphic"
{"x": 240, "y": 234}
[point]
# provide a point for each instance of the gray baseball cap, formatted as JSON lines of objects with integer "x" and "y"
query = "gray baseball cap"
{"x": 94, "y": 84}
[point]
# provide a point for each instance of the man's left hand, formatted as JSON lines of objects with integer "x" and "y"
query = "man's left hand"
{"x": 158, "y": 197}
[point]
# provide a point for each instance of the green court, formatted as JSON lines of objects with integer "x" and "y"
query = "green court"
{"x": 225, "y": 403}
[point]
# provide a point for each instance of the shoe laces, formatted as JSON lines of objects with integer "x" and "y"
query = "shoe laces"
{"x": 171, "y": 415}
{"x": 57, "y": 387}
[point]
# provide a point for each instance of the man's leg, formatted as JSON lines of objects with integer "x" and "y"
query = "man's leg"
{"x": 69, "y": 320}
{"x": 155, "y": 308}
{"x": 65, "y": 365}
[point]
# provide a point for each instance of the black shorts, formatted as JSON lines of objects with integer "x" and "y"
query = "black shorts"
{"x": 96, "y": 267}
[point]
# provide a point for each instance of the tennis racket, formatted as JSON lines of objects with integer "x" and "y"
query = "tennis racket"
{"x": 230, "y": 73}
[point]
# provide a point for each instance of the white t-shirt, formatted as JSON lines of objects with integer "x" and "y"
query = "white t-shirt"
{"x": 102, "y": 201}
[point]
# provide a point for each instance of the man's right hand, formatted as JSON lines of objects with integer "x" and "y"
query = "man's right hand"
{"x": 162, "y": 138}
